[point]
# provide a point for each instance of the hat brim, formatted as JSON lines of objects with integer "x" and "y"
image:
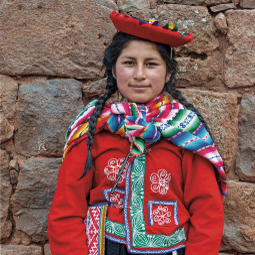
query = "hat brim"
{"x": 126, "y": 24}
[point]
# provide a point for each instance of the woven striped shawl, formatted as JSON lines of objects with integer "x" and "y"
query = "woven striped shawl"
{"x": 144, "y": 124}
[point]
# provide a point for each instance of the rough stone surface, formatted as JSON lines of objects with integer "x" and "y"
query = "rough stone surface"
{"x": 6, "y": 129}
{"x": 56, "y": 38}
{"x": 236, "y": 2}
{"x": 194, "y": 19}
{"x": 14, "y": 170}
{"x": 222, "y": 7}
{"x": 246, "y": 151}
{"x": 33, "y": 197}
{"x": 20, "y": 250}
{"x": 94, "y": 88}
{"x": 132, "y": 5}
{"x": 239, "y": 64}
{"x": 47, "y": 249}
{"x": 14, "y": 164}
{"x": 20, "y": 238}
{"x": 45, "y": 110}
{"x": 220, "y": 112}
{"x": 22, "y": 80}
{"x": 249, "y": 4}
{"x": 8, "y": 92}
{"x": 239, "y": 206}
{"x": 197, "y": 2}
{"x": 6, "y": 189}
{"x": 221, "y": 23}
{"x": 14, "y": 176}
{"x": 195, "y": 71}
{"x": 111, "y": 4}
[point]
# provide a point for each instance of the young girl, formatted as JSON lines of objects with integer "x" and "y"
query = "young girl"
{"x": 140, "y": 176}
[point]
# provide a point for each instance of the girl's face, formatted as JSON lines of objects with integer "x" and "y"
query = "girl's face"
{"x": 140, "y": 72}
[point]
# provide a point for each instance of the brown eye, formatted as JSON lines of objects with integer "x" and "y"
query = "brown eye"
{"x": 129, "y": 63}
{"x": 151, "y": 64}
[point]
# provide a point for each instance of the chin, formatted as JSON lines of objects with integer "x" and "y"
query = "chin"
{"x": 139, "y": 98}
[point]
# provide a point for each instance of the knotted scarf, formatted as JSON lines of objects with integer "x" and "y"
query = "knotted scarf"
{"x": 144, "y": 124}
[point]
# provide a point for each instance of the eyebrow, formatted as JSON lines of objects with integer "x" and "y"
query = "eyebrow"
{"x": 133, "y": 58}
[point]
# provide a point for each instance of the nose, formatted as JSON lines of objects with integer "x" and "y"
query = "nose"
{"x": 139, "y": 72}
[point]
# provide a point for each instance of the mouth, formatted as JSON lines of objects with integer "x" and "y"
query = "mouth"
{"x": 135, "y": 86}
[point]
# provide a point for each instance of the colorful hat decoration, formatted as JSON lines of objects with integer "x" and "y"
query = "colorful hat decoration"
{"x": 150, "y": 30}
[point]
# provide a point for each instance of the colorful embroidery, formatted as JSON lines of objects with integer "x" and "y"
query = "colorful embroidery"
{"x": 95, "y": 229}
{"x": 115, "y": 228}
{"x": 163, "y": 213}
{"x": 117, "y": 201}
{"x": 160, "y": 181}
{"x": 113, "y": 168}
{"x": 117, "y": 198}
{"x": 137, "y": 237}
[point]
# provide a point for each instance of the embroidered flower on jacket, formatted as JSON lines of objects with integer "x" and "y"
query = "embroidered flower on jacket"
{"x": 161, "y": 215}
{"x": 117, "y": 201}
{"x": 160, "y": 181}
{"x": 113, "y": 169}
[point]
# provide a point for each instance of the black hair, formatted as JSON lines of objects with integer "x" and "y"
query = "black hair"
{"x": 111, "y": 54}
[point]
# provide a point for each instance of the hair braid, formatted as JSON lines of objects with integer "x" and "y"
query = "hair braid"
{"x": 93, "y": 121}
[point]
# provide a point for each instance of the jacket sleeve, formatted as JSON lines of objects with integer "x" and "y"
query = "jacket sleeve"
{"x": 203, "y": 200}
{"x": 66, "y": 231}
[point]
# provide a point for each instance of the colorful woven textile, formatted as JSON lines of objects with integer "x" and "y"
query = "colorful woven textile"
{"x": 144, "y": 124}
{"x": 95, "y": 229}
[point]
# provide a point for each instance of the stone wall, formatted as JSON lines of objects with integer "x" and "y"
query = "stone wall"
{"x": 51, "y": 66}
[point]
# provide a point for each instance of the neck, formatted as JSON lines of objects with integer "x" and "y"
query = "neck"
{"x": 117, "y": 97}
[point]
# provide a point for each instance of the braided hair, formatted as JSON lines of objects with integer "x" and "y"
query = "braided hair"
{"x": 111, "y": 54}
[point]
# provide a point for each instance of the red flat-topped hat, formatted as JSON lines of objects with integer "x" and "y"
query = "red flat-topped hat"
{"x": 150, "y": 30}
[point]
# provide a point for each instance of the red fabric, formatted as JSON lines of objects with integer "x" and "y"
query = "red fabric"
{"x": 129, "y": 25}
{"x": 193, "y": 185}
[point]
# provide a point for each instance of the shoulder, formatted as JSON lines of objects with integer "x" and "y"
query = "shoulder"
{"x": 195, "y": 159}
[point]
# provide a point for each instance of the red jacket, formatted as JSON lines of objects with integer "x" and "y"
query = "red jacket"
{"x": 179, "y": 193}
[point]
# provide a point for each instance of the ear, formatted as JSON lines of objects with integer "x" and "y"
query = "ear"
{"x": 113, "y": 72}
{"x": 168, "y": 76}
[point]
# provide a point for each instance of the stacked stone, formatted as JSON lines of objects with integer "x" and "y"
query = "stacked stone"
{"x": 51, "y": 66}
